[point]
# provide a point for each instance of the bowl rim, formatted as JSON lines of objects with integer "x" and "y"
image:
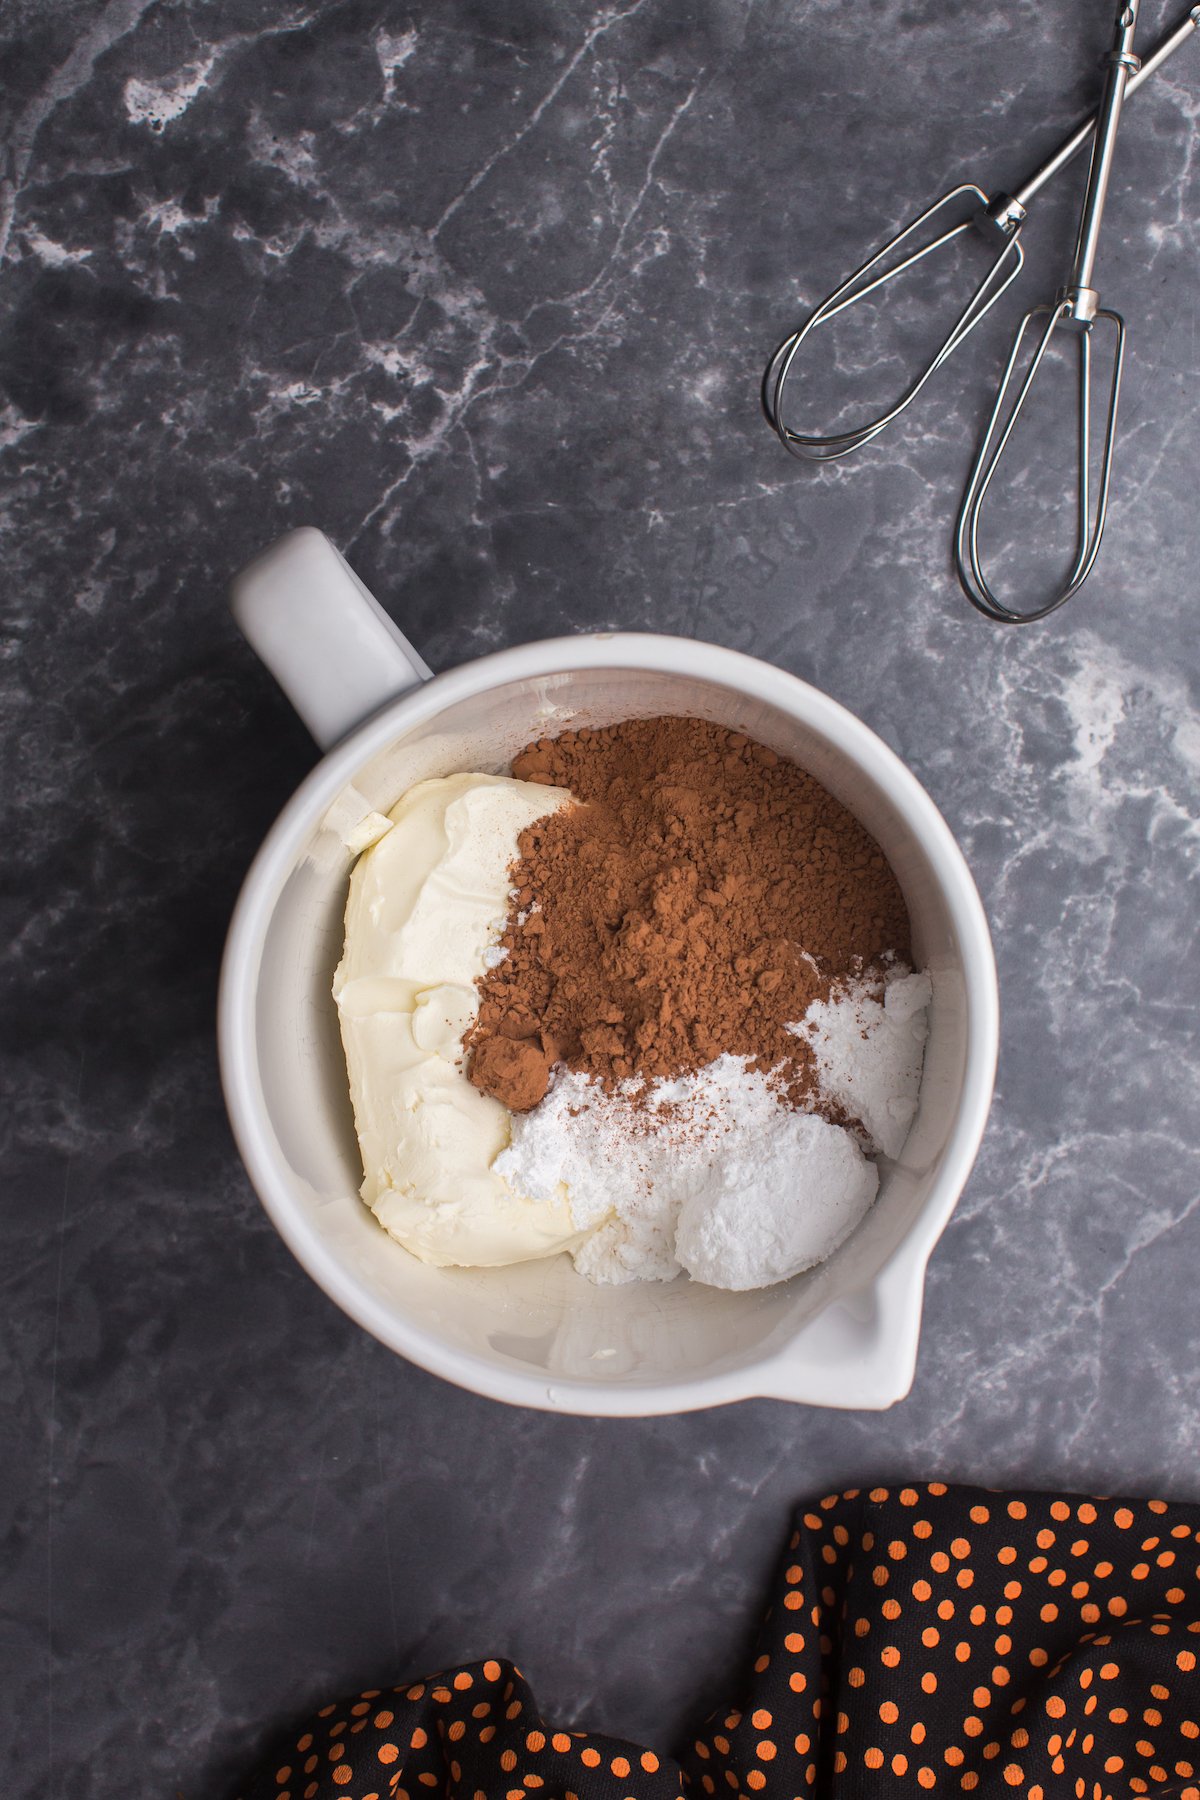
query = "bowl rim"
{"x": 275, "y": 858}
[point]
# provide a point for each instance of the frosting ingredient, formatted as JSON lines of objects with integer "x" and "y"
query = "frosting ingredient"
{"x": 645, "y": 1001}
{"x": 713, "y": 1173}
{"x": 703, "y": 894}
{"x": 869, "y": 1046}
{"x": 426, "y": 906}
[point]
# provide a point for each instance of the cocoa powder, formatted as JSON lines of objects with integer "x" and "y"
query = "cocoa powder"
{"x": 703, "y": 894}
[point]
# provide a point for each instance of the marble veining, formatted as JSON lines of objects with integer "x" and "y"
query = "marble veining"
{"x": 486, "y": 292}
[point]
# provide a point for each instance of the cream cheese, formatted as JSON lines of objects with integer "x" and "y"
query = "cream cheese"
{"x": 427, "y": 905}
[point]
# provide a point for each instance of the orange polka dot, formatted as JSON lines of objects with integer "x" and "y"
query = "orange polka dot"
{"x": 889, "y": 1656}
{"x": 873, "y": 1758}
{"x": 856, "y": 1677}
{"x": 890, "y": 1609}
{"x": 940, "y": 1561}
{"x": 965, "y": 1578}
{"x": 797, "y": 1682}
{"x": 508, "y": 1759}
{"x": 921, "y": 1590}
{"x": 929, "y": 1682}
{"x": 969, "y": 1780}
{"x": 794, "y": 1641}
{"x": 962, "y": 1651}
{"x": 945, "y": 1609}
{"x": 878, "y": 1494}
{"x": 960, "y": 1547}
{"x": 980, "y": 1514}
{"x": 756, "y": 1779}
{"x": 463, "y": 1680}
{"x": 899, "y": 1763}
{"x": 1185, "y": 1660}
{"x": 1118, "y": 1606}
{"x": 491, "y": 1671}
{"x": 954, "y": 1756}
{"x": 926, "y": 1777}
{"x": 1014, "y": 1774}
{"x": 765, "y": 1750}
{"x": 889, "y": 1712}
{"x": 620, "y": 1767}
{"x": 972, "y": 1726}
{"x": 561, "y": 1742}
{"x": 1006, "y": 1555}
{"x": 343, "y": 1773}
{"x": 387, "y": 1753}
{"x": 793, "y": 1601}
{"x": 922, "y": 1528}
{"x": 589, "y": 1758}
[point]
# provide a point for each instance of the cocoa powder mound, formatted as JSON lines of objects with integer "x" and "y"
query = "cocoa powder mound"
{"x": 703, "y": 894}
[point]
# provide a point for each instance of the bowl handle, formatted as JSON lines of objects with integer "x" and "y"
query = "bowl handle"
{"x": 860, "y": 1351}
{"x": 327, "y": 641}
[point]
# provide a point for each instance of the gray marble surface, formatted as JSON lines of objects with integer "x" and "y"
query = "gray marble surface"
{"x": 486, "y": 292}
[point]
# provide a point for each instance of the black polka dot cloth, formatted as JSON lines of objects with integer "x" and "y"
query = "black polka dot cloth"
{"x": 918, "y": 1638}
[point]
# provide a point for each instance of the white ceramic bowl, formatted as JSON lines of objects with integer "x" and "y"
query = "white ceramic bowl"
{"x": 538, "y": 1334}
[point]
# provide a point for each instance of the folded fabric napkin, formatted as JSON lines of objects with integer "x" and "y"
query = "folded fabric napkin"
{"x": 918, "y": 1638}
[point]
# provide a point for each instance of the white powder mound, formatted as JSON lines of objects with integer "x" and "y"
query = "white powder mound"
{"x": 870, "y": 1050}
{"x": 715, "y": 1173}
{"x": 712, "y": 1173}
{"x": 773, "y": 1205}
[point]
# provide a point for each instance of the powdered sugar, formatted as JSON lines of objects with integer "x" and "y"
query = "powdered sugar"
{"x": 869, "y": 1047}
{"x": 714, "y": 1173}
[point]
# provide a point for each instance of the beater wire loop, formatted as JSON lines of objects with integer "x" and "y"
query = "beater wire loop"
{"x": 1092, "y": 490}
{"x": 869, "y": 279}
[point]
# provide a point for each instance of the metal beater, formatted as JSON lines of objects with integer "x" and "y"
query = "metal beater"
{"x": 998, "y": 221}
{"x": 1077, "y": 305}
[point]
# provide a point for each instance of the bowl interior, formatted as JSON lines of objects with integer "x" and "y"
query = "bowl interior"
{"x": 541, "y": 1320}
